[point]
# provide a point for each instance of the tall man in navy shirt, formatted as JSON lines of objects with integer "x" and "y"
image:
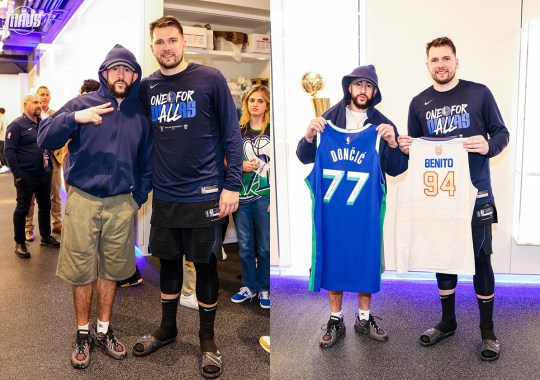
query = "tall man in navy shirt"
{"x": 32, "y": 171}
{"x": 456, "y": 107}
{"x": 195, "y": 125}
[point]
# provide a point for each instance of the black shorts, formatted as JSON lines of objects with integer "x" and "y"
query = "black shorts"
{"x": 197, "y": 244}
{"x": 190, "y": 229}
{"x": 481, "y": 236}
{"x": 483, "y": 217}
{"x": 484, "y": 214}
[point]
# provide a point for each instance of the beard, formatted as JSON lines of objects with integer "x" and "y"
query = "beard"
{"x": 443, "y": 81}
{"x": 176, "y": 61}
{"x": 119, "y": 94}
{"x": 361, "y": 106}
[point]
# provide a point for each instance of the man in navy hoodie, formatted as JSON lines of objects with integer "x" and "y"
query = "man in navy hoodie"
{"x": 356, "y": 111}
{"x": 109, "y": 171}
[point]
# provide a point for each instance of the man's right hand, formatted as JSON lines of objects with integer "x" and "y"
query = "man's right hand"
{"x": 93, "y": 114}
{"x": 404, "y": 143}
{"x": 316, "y": 126}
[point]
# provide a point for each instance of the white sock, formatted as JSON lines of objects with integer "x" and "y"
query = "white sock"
{"x": 102, "y": 327}
{"x": 84, "y": 327}
{"x": 363, "y": 314}
{"x": 336, "y": 314}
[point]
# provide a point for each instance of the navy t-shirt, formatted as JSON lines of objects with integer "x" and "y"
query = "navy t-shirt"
{"x": 469, "y": 109}
{"x": 195, "y": 125}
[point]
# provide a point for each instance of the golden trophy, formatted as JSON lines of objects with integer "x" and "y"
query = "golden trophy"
{"x": 312, "y": 83}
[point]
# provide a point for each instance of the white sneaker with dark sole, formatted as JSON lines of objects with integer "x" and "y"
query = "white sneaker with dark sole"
{"x": 189, "y": 301}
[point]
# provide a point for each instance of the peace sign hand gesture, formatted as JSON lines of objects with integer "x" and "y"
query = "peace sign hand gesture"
{"x": 93, "y": 114}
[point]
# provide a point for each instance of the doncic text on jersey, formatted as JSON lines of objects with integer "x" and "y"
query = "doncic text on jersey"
{"x": 347, "y": 154}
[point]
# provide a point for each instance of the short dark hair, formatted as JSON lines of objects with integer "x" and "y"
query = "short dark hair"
{"x": 42, "y": 88}
{"x": 89, "y": 85}
{"x": 441, "y": 41}
{"x": 164, "y": 22}
{"x": 2, "y": 110}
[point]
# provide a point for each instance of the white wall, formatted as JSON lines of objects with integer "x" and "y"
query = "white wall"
{"x": 531, "y": 10}
{"x": 304, "y": 38}
{"x": 526, "y": 259}
{"x": 488, "y": 49}
{"x": 13, "y": 88}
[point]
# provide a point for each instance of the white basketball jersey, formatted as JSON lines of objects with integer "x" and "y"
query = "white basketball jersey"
{"x": 435, "y": 204}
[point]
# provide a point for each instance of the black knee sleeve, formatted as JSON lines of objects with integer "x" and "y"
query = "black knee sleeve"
{"x": 170, "y": 278}
{"x": 484, "y": 279}
{"x": 446, "y": 281}
{"x": 207, "y": 284}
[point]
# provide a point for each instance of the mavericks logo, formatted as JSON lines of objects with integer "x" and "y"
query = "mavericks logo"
{"x": 23, "y": 20}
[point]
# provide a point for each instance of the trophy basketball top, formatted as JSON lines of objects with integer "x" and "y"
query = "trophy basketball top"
{"x": 312, "y": 83}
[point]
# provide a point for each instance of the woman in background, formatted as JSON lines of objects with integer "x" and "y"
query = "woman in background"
{"x": 253, "y": 215}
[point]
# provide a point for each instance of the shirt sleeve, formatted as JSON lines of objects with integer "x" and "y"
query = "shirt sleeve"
{"x": 414, "y": 128}
{"x": 56, "y": 130}
{"x": 231, "y": 138}
{"x": 393, "y": 161}
{"x": 494, "y": 124}
{"x": 144, "y": 165}
{"x": 10, "y": 149}
{"x": 306, "y": 151}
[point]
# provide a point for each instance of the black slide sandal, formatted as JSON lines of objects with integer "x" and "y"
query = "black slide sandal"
{"x": 211, "y": 365}
{"x": 434, "y": 336}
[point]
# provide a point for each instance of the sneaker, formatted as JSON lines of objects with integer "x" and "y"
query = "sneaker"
{"x": 189, "y": 301}
{"x": 4, "y": 169}
{"x": 264, "y": 299}
{"x": 243, "y": 294}
{"x": 134, "y": 280}
{"x": 110, "y": 345}
{"x": 332, "y": 331}
{"x": 22, "y": 251}
{"x": 265, "y": 342}
{"x": 29, "y": 235}
{"x": 80, "y": 357}
{"x": 50, "y": 241}
{"x": 370, "y": 328}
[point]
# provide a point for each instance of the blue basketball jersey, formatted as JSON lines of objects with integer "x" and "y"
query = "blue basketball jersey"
{"x": 347, "y": 190}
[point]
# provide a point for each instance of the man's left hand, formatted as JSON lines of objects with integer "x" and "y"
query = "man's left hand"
{"x": 228, "y": 202}
{"x": 387, "y": 133}
{"x": 476, "y": 144}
